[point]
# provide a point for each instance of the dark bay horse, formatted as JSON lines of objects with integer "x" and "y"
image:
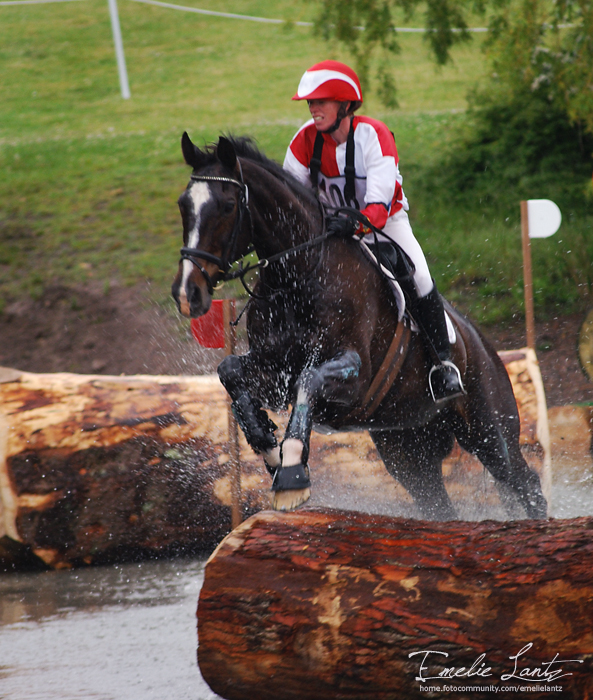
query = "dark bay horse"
{"x": 319, "y": 327}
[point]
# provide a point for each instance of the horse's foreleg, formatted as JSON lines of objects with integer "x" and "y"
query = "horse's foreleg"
{"x": 336, "y": 381}
{"x": 253, "y": 420}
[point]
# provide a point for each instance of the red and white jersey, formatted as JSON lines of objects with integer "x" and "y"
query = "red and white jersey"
{"x": 378, "y": 183}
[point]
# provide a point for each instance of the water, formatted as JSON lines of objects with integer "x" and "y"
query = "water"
{"x": 128, "y": 632}
{"x": 124, "y": 632}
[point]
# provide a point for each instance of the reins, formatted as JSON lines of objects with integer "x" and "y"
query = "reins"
{"x": 224, "y": 263}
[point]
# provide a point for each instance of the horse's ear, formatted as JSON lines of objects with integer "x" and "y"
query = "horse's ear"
{"x": 192, "y": 154}
{"x": 226, "y": 153}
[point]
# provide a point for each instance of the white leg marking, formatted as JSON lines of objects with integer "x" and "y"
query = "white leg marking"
{"x": 292, "y": 451}
{"x": 272, "y": 457}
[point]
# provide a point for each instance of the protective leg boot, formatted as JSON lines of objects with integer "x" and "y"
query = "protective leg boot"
{"x": 255, "y": 423}
{"x": 444, "y": 378}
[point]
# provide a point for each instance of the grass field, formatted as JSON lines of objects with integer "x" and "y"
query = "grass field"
{"x": 89, "y": 181}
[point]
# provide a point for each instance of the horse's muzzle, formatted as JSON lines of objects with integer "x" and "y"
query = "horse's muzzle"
{"x": 191, "y": 301}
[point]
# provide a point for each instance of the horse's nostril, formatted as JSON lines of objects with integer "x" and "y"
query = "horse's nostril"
{"x": 195, "y": 298}
{"x": 194, "y": 294}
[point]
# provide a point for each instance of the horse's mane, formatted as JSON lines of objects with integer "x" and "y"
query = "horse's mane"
{"x": 245, "y": 148}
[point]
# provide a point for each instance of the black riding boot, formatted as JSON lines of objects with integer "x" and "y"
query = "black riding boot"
{"x": 444, "y": 378}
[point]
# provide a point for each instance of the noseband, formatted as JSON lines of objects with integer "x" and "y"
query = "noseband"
{"x": 224, "y": 263}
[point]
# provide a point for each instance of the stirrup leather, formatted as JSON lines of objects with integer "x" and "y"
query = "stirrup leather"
{"x": 439, "y": 395}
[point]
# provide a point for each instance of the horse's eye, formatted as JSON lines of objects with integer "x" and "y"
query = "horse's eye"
{"x": 228, "y": 207}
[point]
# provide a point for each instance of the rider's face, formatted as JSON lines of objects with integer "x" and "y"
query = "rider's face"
{"x": 324, "y": 113}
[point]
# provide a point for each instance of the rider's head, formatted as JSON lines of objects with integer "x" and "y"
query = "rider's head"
{"x": 332, "y": 85}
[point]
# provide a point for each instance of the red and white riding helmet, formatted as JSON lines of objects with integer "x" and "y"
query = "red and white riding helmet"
{"x": 329, "y": 80}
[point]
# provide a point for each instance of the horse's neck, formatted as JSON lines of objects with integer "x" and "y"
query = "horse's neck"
{"x": 281, "y": 220}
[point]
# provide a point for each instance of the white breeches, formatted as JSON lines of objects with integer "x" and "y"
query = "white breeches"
{"x": 399, "y": 230}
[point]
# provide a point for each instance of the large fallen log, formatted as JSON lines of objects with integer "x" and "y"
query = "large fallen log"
{"x": 325, "y": 604}
{"x": 95, "y": 469}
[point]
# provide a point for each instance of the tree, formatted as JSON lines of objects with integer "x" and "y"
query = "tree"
{"x": 545, "y": 49}
{"x": 366, "y": 27}
{"x": 535, "y": 47}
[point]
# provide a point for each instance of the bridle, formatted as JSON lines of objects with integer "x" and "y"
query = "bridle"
{"x": 228, "y": 258}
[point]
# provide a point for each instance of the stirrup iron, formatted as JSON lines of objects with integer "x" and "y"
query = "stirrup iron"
{"x": 441, "y": 395}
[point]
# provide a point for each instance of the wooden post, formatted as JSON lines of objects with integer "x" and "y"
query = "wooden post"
{"x": 527, "y": 277}
{"x": 230, "y": 338}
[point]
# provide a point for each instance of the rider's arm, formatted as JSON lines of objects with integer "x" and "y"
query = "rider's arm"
{"x": 383, "y": 181}
{"x": 296, "y": 168}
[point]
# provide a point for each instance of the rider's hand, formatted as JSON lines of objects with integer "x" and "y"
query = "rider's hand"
{"x": 341, "y": 226}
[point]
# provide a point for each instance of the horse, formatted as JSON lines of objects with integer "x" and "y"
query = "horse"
{"x": 320, "y": 322}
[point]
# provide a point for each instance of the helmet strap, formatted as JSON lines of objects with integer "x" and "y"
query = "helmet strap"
{"x": 342, "y": 112}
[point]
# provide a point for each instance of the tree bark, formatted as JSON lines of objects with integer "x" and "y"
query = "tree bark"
{"x": 325, "y": 604}
{"x": 96, "y": 469}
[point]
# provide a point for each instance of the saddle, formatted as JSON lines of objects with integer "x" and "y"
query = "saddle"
{"x": 394, "y": 265}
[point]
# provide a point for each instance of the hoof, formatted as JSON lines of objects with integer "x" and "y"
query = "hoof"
{"x": 289, "y": 500}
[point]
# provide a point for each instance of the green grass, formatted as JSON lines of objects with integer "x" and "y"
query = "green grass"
{"x": 89, "y": 181}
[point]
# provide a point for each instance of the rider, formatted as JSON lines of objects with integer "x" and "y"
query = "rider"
{"x": 353, "y": 161}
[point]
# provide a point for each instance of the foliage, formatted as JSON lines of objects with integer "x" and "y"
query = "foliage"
{"x": 544, "y": 50}
{"x": 527, "y": 135}
{"x": 539, "y": 46}
{"x": 516, "y": 149}
{"x": 470, "y": 196}
{"x": 367, "y": 27}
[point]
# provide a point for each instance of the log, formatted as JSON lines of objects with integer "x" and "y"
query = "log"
{"x": 324, "y": 604}
{"x": 571, "y": 432}
{"x": 95, "y": 469}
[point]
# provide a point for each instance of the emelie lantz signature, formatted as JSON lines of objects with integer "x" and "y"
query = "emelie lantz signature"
{"x": 545, "y": 672}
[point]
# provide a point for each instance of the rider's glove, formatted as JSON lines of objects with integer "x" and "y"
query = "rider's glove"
{"x": 341, "y": 226}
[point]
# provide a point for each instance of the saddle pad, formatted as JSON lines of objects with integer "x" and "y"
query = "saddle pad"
{"x": 400, "y": 299}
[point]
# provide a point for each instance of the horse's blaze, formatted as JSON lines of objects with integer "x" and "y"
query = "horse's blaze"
{"x": 181, "y": 297}
{"x": 184, "y": 305}
{"x": 191, "y": 280}
{"x": 194, "y": 297}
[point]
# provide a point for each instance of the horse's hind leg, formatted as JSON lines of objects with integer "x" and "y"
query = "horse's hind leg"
{"x": 414, "y": 457}
{"x": 254, "y": 421}
{"x": 334, "y": 381}
{"x": 501, "y": 455}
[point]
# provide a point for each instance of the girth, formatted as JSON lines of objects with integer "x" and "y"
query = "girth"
{"x": 386, "y": 374}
